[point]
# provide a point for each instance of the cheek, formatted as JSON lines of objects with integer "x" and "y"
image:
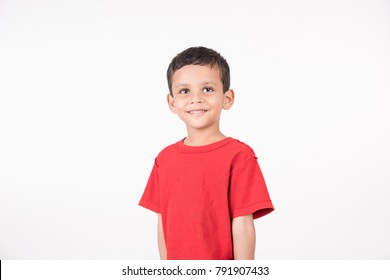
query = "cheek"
{"x": 216, "y": 101}
{"x": 180, "y": 103}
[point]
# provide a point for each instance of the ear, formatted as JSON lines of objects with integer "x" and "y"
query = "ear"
{"x": 228, "y": 99}
{"x": 171, "y": 103}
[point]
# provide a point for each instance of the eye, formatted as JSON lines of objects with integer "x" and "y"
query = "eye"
{"x": 184, "y": 91}
{"x": 208, "y": 89}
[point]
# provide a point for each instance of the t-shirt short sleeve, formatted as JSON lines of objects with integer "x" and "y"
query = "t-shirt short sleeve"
{"x": 248, "y": 192}
{"x": 151, "y": 198}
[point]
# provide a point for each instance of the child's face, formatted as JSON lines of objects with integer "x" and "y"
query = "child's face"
{"x": 198, "y": 96}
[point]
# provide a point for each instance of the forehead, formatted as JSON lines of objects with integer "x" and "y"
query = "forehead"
{"x": 191, "y": 74}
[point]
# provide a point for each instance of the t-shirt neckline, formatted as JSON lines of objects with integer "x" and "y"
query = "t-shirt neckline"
{"x": 204, "y": 148}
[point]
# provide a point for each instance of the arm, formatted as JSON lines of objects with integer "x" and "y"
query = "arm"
{"x": 244, "y": 238}
{"x": 161, "y": 241}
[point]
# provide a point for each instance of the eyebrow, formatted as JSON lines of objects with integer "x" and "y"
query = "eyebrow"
{"x": 204, "y": 84}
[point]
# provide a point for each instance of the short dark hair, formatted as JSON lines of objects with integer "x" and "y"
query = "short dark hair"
{"x": 199, "y": 56}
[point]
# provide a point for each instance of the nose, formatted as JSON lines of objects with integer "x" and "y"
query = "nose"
{"x": 196, "y": 97}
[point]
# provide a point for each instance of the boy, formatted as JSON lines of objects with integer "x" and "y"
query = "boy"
{"x": 206, "y": 188}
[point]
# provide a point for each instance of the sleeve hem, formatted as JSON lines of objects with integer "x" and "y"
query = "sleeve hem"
{"x": 258, "y": 209}
{"x": 148, "y": 205}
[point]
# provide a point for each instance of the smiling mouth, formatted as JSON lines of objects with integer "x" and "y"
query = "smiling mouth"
{"x": 196, "y": 112}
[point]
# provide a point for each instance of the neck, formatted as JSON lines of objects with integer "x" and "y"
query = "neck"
{"x": 201, "y": 138}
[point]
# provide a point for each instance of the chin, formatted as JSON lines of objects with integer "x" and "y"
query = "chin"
{"x": 203, "y": 126}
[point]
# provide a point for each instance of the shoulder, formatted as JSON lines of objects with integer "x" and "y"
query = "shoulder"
{"x": 167, "y": 149}
{"x": 166, "y": 152}
{"x": 241, "y": 152}
{"x": 241, "y": 147}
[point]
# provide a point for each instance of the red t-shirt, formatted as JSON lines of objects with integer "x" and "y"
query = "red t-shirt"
{"x": 198, "y": 190}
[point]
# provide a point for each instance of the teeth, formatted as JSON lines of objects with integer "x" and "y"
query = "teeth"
{"x": 197, "y": 111}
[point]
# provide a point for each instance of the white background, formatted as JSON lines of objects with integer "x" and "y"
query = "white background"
{"x": 83, "y": 114}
